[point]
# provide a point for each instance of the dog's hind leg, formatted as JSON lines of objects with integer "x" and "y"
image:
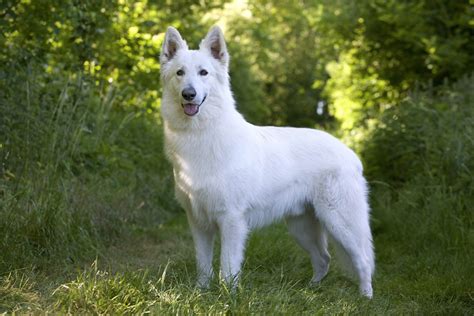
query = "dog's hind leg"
{"x": 311, "y": 236}
{"x": 343, "y": 210}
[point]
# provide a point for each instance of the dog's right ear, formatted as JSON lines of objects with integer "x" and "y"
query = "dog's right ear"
{"x": 172, "y": 43}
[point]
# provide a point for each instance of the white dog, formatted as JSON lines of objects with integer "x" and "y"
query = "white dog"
{"x": 232, "y": 176}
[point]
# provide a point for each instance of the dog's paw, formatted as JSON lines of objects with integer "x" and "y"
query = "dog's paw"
{"x": 367, "y": 291}
{"x": 203, "y": 285}
{"x": 320, "y": 274}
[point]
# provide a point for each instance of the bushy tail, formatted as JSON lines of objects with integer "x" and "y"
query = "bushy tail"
{"x": 343, "y": 209}
{"x": 344, "y": 260}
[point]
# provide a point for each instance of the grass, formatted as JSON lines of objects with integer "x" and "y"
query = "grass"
{"x": 75, "y": 170}
{"x": 154, "y": 272}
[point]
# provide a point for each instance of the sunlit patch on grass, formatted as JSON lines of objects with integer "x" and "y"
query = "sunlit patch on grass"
{"x": 97, "y": 291}
{"x": 17, "y": 292}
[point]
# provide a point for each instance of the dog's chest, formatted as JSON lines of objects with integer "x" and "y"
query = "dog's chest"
{"x": 196, "y": 158}
{"x": 210, "y": 190}
{"x": 209, "y": 171}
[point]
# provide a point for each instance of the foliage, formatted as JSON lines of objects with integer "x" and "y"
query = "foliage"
{"x": 280, "y": 40}
{"x": 111, "y": 41}
{"x": 406, "y": 41}
{"x": 386, "y": 48}
{"x": 74, "y": 169}
{"x": 429, "y": 135}
{"x": 420, "y": 157}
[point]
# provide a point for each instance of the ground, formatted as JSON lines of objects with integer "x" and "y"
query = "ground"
{"x": 153, "y": 270}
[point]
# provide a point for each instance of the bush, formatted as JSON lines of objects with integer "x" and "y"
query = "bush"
{"x": 430, "y": 134}
{"x": 74, "y": 170}
{"x": 419, "y": 159}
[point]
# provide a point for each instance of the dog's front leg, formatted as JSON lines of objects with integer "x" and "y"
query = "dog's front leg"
{"x": 203, "y": 243}
{"x": 233, "y": 233}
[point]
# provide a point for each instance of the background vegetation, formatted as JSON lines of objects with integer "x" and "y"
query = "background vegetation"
{"x": 88, "y": 222}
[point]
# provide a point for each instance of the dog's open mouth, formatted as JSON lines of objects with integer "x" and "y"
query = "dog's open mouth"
{"x": 191, "y": 109}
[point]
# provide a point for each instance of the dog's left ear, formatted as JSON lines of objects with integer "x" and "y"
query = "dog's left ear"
{"x": 214, "y": 43}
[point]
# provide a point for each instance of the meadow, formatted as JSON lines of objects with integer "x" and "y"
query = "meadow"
{"x": 88, "y": 220}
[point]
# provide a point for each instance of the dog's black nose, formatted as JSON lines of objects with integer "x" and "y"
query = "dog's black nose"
{"x": 188, "y": 93}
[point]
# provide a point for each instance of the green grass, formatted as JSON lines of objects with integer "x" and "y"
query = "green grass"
{"x": 154, "y": 272}
{"x": 76, "y": 172}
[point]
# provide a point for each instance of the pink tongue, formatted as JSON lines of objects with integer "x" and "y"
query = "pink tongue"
{"x": 191, "y": 109}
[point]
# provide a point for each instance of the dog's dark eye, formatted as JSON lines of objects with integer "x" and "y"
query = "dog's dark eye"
{"x": 203, "y": 72}
{"x": 180, "y": 72}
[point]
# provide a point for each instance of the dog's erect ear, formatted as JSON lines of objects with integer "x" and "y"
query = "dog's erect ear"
{"x": 172, "y": 43}
{"x": 214, "y": 42}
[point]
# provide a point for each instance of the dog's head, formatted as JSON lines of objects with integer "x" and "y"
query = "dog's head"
{"x": 192, "y": 78}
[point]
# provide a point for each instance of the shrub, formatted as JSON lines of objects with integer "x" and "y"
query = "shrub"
{"x": 74, "y": 170}
{"x": 419, "y": 159}
{"x": 430, "y": 134}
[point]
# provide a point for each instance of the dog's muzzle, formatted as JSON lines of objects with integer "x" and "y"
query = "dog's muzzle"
{"x": 191, "y": 109}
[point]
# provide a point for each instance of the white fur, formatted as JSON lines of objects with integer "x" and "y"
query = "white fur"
{"x": 232, "y": 176}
